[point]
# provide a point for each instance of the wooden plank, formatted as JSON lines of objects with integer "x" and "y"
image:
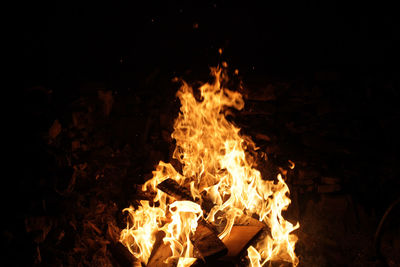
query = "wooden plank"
{"x": 172, "y": 188}
{"x": 246, "y": 220}
{"x": 206, "y": 241}
{"x": 160, "y": 252}
{"x": 239, "y": 239}
{"x": 243, "y": 232}
{"x": 160, "y": 255}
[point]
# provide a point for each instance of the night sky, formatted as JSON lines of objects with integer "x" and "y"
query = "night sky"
{"x": 68, "y": 43}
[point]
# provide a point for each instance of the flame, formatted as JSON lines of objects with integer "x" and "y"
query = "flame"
{"x": 185, "y": 215}
{"x": 292, "y": 165}
{"x": 216, "y": 167}
{"x": 140, "y": 236}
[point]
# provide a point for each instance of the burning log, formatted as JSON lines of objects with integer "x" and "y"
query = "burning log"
{"x": 205, "y": 239}
{"x": 207, "y": 245}
{"x": 160, "y": 252}
{"x": 238, "y": 240}
{"x": 172, "y": 188}
{"x": 245, "y": 230}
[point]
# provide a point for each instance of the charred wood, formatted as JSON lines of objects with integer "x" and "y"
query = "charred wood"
{"x": 206, "y": 241}
{"x": 172, "y": 188}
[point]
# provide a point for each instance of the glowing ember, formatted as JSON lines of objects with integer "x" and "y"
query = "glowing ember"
{"x": 216, "y": 168}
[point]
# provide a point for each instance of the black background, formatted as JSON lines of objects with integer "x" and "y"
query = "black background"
{"x": 120, "y": 45}
{"x": 69, "y": 42}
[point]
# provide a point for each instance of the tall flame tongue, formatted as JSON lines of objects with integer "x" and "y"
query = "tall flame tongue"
{"x": 215, "y": 167}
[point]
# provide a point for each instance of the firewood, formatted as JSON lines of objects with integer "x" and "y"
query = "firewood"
{"x": 246, "y": 220}
{"x": 280, "y": 263}
{"x": 206, "y": 241}
{"x": 160, "y": 253}
{"x": 243, "y": 232}
{"x": 172, "y": 188}
{"x": 238, "y": 240}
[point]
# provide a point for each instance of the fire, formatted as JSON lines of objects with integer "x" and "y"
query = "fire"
{"x": 216, "y": 168}
{"x": 185, "y": 215}
{"x": 140, "y": 236}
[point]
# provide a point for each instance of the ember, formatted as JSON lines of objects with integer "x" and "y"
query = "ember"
{"x": 216, "y": 169}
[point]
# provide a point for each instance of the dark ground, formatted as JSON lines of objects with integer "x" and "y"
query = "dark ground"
{"x": 321, "y": 81}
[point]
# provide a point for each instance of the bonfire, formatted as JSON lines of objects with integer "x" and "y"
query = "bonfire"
{"x": 215, "y": 206}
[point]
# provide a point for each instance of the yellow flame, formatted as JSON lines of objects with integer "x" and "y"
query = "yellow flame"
{"x": 292, "y": 165}
{"x": 185, "y": 215}
{"x": 139, "y": 237}
{"x": 216, "y": 167}
{"x": 254, "y": 257}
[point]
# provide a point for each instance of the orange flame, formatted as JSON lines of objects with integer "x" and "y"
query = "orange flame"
{"x": 216, "y": 167}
